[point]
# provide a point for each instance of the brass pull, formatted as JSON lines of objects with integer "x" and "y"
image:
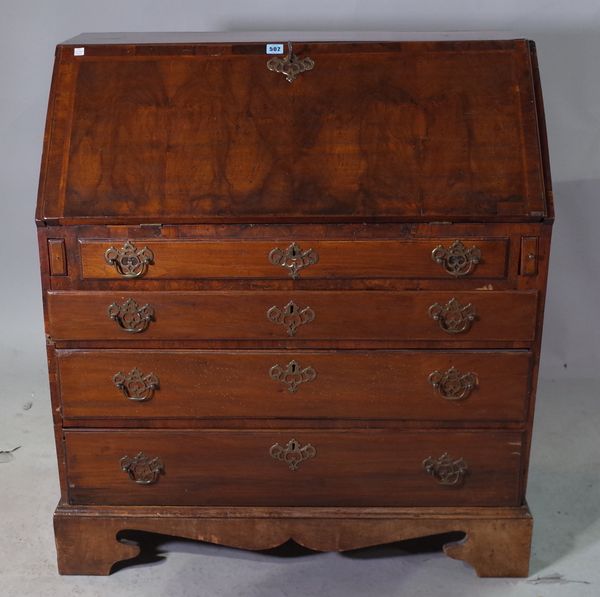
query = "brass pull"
{"x": 293, "y": 453}
{"x": 445, "y": 470}
{"x": 130, "y": 317}
{"x": 135, "y": 385}
{"x": 291, "y": 316}
{"x": 142, "y": 469}
{"x": 290, "y": 66}
{"x": 293, "y": 259}
{"x": 129, "y": 261}
{"x": 453, "y": 317}
{"x": 452, "y": 384}
{"x": 457, "y": 260}
{"x": 293, "y": 375}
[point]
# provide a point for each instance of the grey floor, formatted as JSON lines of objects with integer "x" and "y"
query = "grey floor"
{"x": 564, "y": 495}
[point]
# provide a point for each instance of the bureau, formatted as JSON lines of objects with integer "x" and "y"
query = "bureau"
{"x": 294, "y": 290}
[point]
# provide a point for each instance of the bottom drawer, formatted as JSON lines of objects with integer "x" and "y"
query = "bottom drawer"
{"x": 323, "y": 467}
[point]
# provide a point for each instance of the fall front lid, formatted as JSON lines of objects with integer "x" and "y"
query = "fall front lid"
{"x": 205, "y": 132}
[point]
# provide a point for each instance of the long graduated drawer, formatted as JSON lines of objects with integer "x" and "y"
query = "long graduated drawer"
{"x": 351, "y": 384}
{"x": 316, "y": 315}
{"x": 308, "y": 467}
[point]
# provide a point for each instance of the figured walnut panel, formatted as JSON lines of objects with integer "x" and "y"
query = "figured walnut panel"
{"x": 413, "y": 131}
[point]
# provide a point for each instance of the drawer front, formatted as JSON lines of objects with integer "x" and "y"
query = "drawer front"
{"x": 453, "y": 386}
{"x": 306, "y": 315}
{"x": 305, "y": 259}
{"x": 294, "y": 468}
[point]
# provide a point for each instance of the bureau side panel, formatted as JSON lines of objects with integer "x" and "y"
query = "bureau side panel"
{"x": 44, "y": 234}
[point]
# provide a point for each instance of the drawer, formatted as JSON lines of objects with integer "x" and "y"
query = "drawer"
{"x": 306, "y": 315}
{"x": 306, "y": 259}
{"x": 294, "y": 468}
{"x": 426, "y": 385}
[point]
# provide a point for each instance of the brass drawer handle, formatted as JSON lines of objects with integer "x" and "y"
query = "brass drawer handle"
{"x": 142, "y": 469}
{"x": 452, "y": 384}
{"x": 293, "y": 259}
{"x": 453, "y": 317}
{"x": 135, "y": 385}
{"x": 445, "y": 470}
{"x": 290, "y": 66}
{"x": 293, "y": 375}
{"x": 129, "y": 261}
{"x": 457, "y": 260}
{"x": 291, "y": 316}
{"x": 293, "y": 453}
{"x": 130, "y": 317}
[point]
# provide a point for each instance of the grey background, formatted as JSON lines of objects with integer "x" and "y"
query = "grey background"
{"x": 564, "y": 491}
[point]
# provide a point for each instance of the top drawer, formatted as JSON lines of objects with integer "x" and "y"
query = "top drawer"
{"x": 447, "y": 258}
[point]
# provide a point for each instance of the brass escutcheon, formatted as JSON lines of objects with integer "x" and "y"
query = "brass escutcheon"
{"x": 293, "y": 375}
{"x": 293, "y": 453}
{"x": 452, "y": 384}
{"x": 446, "y": 470}
{"x": 457, "y": 260}
{"x": 293, "y": 259}
{"x": 142, "y": 469}
{"x": 291, "y": 316}
{"x": 129, "y": 261}
{"x": 136, "y": 385}
{"x": 290, "y": 66}
{"x": 453, "y": 317}
{"x": 130, "y": 317}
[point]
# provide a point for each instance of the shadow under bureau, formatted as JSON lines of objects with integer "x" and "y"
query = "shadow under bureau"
{"x": 294, "y": 291}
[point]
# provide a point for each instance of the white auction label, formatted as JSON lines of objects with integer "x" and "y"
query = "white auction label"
{"x": 274, "y": 48}
{"x": 78, "y": 51}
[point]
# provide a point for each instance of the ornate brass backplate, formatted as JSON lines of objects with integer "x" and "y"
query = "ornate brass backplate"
{"x": 293, "y": 375}
{"x": 135, "y": 385}
{"x": 452, "y": 384}
{"x": 446, "y": 470}
{"x": 453, "y": 317}
{"x": 130, "y": 316}
{"x": 293, "y": 453}
{"x": 142, "y": 469}
{"x": 293, "y": 259}
{"x": 129, "y": 261}
{"x": 457, "y": 260}
{"x": 291, "y": 316}
{"x": 290, "y": 66}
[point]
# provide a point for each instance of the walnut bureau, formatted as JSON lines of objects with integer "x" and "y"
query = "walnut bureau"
{"x": 294, "y": 291}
